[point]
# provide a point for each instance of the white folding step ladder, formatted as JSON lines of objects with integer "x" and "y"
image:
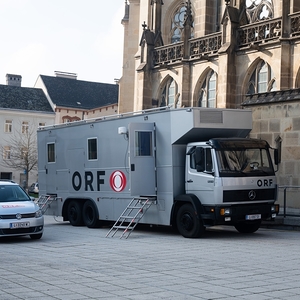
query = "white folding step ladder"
{"x": 131, "y": 216}
{"x": 44, "y": 202}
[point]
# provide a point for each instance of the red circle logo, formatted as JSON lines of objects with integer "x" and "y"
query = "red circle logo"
{"x": 117, "y": 181}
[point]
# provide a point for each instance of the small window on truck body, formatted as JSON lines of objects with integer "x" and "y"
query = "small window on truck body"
{"x": 51, "y": 152}
{"x": 143, "y": 143}
{"x": 92, "y": 149}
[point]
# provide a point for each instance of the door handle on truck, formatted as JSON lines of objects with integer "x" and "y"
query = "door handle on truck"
{"x": 190, "y": 180}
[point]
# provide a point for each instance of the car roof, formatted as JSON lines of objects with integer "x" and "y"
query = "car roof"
{"x": 7, "y": 182}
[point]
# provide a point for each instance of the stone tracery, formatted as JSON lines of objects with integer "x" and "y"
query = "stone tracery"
{"x": 258, "y": 10}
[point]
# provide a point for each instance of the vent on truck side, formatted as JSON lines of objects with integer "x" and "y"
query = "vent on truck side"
{"x": 211, "y": 116}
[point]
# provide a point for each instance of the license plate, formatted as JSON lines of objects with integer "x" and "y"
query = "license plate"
{"x": 19, "y": 225}
{"x": 253, "y": 217}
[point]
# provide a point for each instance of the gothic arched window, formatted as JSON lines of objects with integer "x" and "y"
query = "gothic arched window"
{"x": 262, "y": 80}
{"x": 177, "y": 24}
{"x": 258, "y": 10}
{"x": 207, "y": 97}
{"x": 170, "y": 94}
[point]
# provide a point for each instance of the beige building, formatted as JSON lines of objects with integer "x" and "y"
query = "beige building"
{"x": 226, "y": 54}
{"x": 22, "y": 111}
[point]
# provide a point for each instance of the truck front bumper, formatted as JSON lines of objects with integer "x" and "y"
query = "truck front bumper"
{"x": 232, "y": 214}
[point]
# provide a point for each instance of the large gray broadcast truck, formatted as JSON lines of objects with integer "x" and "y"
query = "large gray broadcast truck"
{"x": 195, "y": 166}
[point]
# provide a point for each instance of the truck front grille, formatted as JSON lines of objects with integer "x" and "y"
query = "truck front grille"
{"x": 249, "y": 195}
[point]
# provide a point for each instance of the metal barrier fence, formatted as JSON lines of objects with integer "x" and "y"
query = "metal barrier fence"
{"x": 297, "y": 211}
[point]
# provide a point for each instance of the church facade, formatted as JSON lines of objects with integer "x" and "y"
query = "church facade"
{"x": 223, "y": 54}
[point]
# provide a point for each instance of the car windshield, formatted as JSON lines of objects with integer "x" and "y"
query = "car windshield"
{"x": 11, "y": 193}
{"x": 245, "y": 162}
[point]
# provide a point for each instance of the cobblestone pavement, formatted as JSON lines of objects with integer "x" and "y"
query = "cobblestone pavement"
{"x": 156, "y": 263}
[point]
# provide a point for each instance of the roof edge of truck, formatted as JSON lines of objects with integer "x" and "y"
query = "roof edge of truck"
{"x": 136, "y": 113}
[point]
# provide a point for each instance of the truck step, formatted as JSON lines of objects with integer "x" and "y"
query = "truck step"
{"x": 123, "y": 227}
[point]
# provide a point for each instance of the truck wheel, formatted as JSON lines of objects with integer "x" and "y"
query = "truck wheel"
{"x": 90, "y": 215}
{"x": 75, "y": 213}
{"x": 245, "y": 227}
{"x": 187, "y": 222}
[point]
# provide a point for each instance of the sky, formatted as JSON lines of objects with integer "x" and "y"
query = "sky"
{"x": 39, "y": 37}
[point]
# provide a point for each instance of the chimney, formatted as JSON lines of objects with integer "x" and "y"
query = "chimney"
{"x": 13, "y": 80}
{"x": 65, "y": 75}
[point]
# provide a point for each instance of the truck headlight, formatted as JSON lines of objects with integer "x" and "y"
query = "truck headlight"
{"x": 38, "y": 213}
{"x": 275, "y": 208}
{"x": 225, "y": 211}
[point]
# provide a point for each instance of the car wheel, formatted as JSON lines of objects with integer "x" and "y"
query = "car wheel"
{"x": 188, "y": 224}
{"x": 245, "y": 227}
{"x": 75, "y": 213}
{"x": 90, "y": 215}
{"x": 36, "y": 236}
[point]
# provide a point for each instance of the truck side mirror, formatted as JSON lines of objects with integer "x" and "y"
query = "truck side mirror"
{"x": 200, "y": 159}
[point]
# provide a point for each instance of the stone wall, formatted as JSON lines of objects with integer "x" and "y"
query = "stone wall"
{"x": 281, "y": 122}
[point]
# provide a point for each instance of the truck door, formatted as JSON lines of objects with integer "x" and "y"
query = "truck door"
{"x": 50, "y": 166}
{"x": 142, "y": 163}
{"x": 200, "y": 180}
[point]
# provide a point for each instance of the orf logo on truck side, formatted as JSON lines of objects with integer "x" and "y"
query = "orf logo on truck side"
{"x": 117, "y": 181}
{"x": 88, "y": 180}
{"x": 264, "y": 182}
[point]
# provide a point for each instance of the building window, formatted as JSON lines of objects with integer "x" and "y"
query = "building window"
{"x": 42, "y": 124}
{"x": 51, "y": 152}
{"x": 262, "y": 80}
{"x": 6, "y": 152}
{"x": 25, "y": 126}
{"x": 8, "y": 126}
{"x": 258, "y": 10}
{"x": 92, "y": 149}
{"x": 208, "y": 91}
{"x": 177, "y": 25}
{"x": 170, "y": 94}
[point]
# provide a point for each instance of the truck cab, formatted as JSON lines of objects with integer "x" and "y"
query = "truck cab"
{"x": 234, "y": 180}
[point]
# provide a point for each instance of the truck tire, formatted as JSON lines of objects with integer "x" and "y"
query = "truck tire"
{"x": 90, "y": 215}
{"x": 247, "y": 227}
{"x": 188, "y": 224}
{"x": 75, "y": 213}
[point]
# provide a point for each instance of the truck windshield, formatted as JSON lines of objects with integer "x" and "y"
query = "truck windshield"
{"x": 244, "y": 162}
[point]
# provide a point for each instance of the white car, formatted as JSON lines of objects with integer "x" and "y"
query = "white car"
{"x": 34, "y": 188}
{"x": 19, "y": 214}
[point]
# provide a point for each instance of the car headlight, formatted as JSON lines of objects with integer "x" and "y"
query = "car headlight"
{"x": 38, "y": 213}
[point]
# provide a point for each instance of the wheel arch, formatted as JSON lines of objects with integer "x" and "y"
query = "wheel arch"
{"x": 183, "y": 199}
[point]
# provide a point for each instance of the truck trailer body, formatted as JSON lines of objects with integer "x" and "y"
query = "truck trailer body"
{"x": 196, "y": 163}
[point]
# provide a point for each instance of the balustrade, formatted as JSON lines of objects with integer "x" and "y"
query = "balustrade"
{"x": 168, "y": 54}
{"x": 295, "y": 24}
{"x": 208, "y": 44}
{"x": 259, "y": 32}
{"x": 256, "y": 33}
